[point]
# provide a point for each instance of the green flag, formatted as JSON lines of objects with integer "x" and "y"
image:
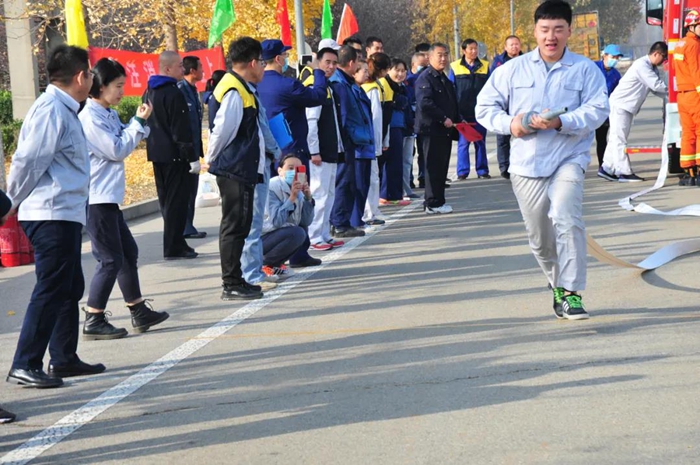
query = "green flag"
{"x": 327, "y": 21}
{"x": 224, "y": 16}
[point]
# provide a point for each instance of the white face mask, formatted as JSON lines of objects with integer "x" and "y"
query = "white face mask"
{"x": 611, "y": 63}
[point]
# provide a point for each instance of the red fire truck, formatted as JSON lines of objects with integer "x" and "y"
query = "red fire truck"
{"x": 670, "y": 14}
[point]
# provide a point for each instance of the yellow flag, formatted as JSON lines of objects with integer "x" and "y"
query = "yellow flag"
{"x": 75, "y": 24}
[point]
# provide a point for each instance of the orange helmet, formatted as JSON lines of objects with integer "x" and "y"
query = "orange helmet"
{"x": 692, "y": 18}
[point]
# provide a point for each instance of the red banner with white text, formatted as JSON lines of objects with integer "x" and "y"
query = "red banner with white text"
{"x": 141, "y": 66}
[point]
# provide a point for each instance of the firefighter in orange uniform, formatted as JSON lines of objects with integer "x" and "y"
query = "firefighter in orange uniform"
{"x": 686, "y": 58}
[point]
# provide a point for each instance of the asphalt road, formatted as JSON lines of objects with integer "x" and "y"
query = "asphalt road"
{"x": 432, "y": 341}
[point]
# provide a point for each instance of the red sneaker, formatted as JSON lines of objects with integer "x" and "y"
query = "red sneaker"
{"x": 322, "y": 246}
{"x": 336, "y": 244}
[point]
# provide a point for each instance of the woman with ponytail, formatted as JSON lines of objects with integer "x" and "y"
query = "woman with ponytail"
{"x": 109, "y": 143}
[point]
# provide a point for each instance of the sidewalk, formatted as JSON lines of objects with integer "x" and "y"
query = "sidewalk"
{"x": 433, "y": 341}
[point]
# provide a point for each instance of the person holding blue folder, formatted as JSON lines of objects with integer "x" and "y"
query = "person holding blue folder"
{"x": 288, "y": 97}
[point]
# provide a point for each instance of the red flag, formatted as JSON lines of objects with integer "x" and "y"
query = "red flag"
{"x": 348, "y": 24}
{"x": 467, "y": 131}
{"x": 283, "y": 21}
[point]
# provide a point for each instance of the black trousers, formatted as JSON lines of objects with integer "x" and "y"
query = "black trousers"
{"x": 236, "y": 219}
{"x": 173, "y": 183}
{"x": 52, "y": 317}
{"x": 116, "y": 252}
{"x": 503, "y": 152}
{"x": 437, "y": 150}
{"x": 601, "y": 140}
{"x": 189, "y": 224}
{"x": 282, "y": 244}
{"x": 421, "y": 157}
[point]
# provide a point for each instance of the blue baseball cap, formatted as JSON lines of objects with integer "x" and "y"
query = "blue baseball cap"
{"x": 613, "y": 50}
{"x": 272, "y": 48}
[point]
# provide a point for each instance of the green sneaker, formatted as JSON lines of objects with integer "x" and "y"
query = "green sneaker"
{"x": 558, "y": 300}
{"x": 572, "y": 307}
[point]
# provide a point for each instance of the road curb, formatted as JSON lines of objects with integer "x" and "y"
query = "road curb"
{"x": 140, "y": 209}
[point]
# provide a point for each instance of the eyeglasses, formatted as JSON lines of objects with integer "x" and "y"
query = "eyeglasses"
{"x": 261, "y": 61}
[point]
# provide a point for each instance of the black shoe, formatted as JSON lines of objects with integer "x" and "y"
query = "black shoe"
{"x": 413, "y": 185}
{"x": 33, "y": 378}
{"x": 505, "y": 175}
{"x": 78, "y": 368}
{"x": 197, "y": 235}
{"x": 558, "y": 300}
{"x": 629, "y": 178}
{"x": 687, "y": 180}
{"x": 607, "y": 176}
{"x": 572, "y": 308}
{"x": 310, "y": 262}
{"x": 485, "y": 176}
{"x": 412, "y": 196}
{"x": 421, "y": 184}
{"x": 349, "y": 232}
{"x": 6, "y": 417}
{"x": 462, "y": 178}
{"x": 244, "y": 291}
{"x": 143, "y": 316}
{"x": 186, "y": 255}
{"x": 375, "y": 222}
{"x": 98, "y": 328}
{"x": 447, "y": 186}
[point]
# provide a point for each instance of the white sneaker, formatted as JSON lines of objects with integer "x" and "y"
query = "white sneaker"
{"x": 265, "y": 285}
{"x": 442, "y": 210}
{"x": 271, "y": 279}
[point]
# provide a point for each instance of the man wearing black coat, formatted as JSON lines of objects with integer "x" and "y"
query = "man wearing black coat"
{"x": 194, "y": 72}
{"x": 436, "y": 115}
{"x": 171, "y": 150}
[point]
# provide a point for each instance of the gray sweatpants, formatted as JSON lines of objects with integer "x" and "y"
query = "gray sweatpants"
{"x": 616, "y": 161}
{"x": 552, "y": 209}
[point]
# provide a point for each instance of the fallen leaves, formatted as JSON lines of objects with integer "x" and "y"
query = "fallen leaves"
{"x": 140, "y": 184}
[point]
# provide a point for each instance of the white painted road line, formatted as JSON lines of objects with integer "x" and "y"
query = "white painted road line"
{"x": 67, "y": 425}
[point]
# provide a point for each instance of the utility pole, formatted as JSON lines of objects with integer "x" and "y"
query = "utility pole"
{"x": 299, "y": 15}
{"x": 512, "y": 17}
{"x": 24, "y": 73}
{"x": 456, "y": 31}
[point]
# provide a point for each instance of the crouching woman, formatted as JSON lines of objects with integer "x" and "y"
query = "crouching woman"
{"x": 289, "y": 212}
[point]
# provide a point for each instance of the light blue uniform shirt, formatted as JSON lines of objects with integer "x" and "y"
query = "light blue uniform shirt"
{"x": 109, "y": 143}
{"x": 50, "y": 171}
{"x": 523, "y": 84}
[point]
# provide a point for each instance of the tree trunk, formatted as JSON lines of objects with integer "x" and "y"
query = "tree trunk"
{"x": 2, "y": 165}
{"x": 169, "y": 29}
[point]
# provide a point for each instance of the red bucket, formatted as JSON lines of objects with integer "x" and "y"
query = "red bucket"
{"x": 10, "y": 249}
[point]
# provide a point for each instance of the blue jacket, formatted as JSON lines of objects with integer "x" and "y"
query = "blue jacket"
{"x": 280, "y": 94}
{"x": 212, "y": 107}
{"x": 499, "y": 60}
{"x": 355, "y": 115}
{"x": 612, "y": 76}
{"x": 195, "y": 106}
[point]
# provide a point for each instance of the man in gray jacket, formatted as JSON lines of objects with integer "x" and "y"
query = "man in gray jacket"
{"x": 48, "y": 183}
{"x": 625, "y": 102}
